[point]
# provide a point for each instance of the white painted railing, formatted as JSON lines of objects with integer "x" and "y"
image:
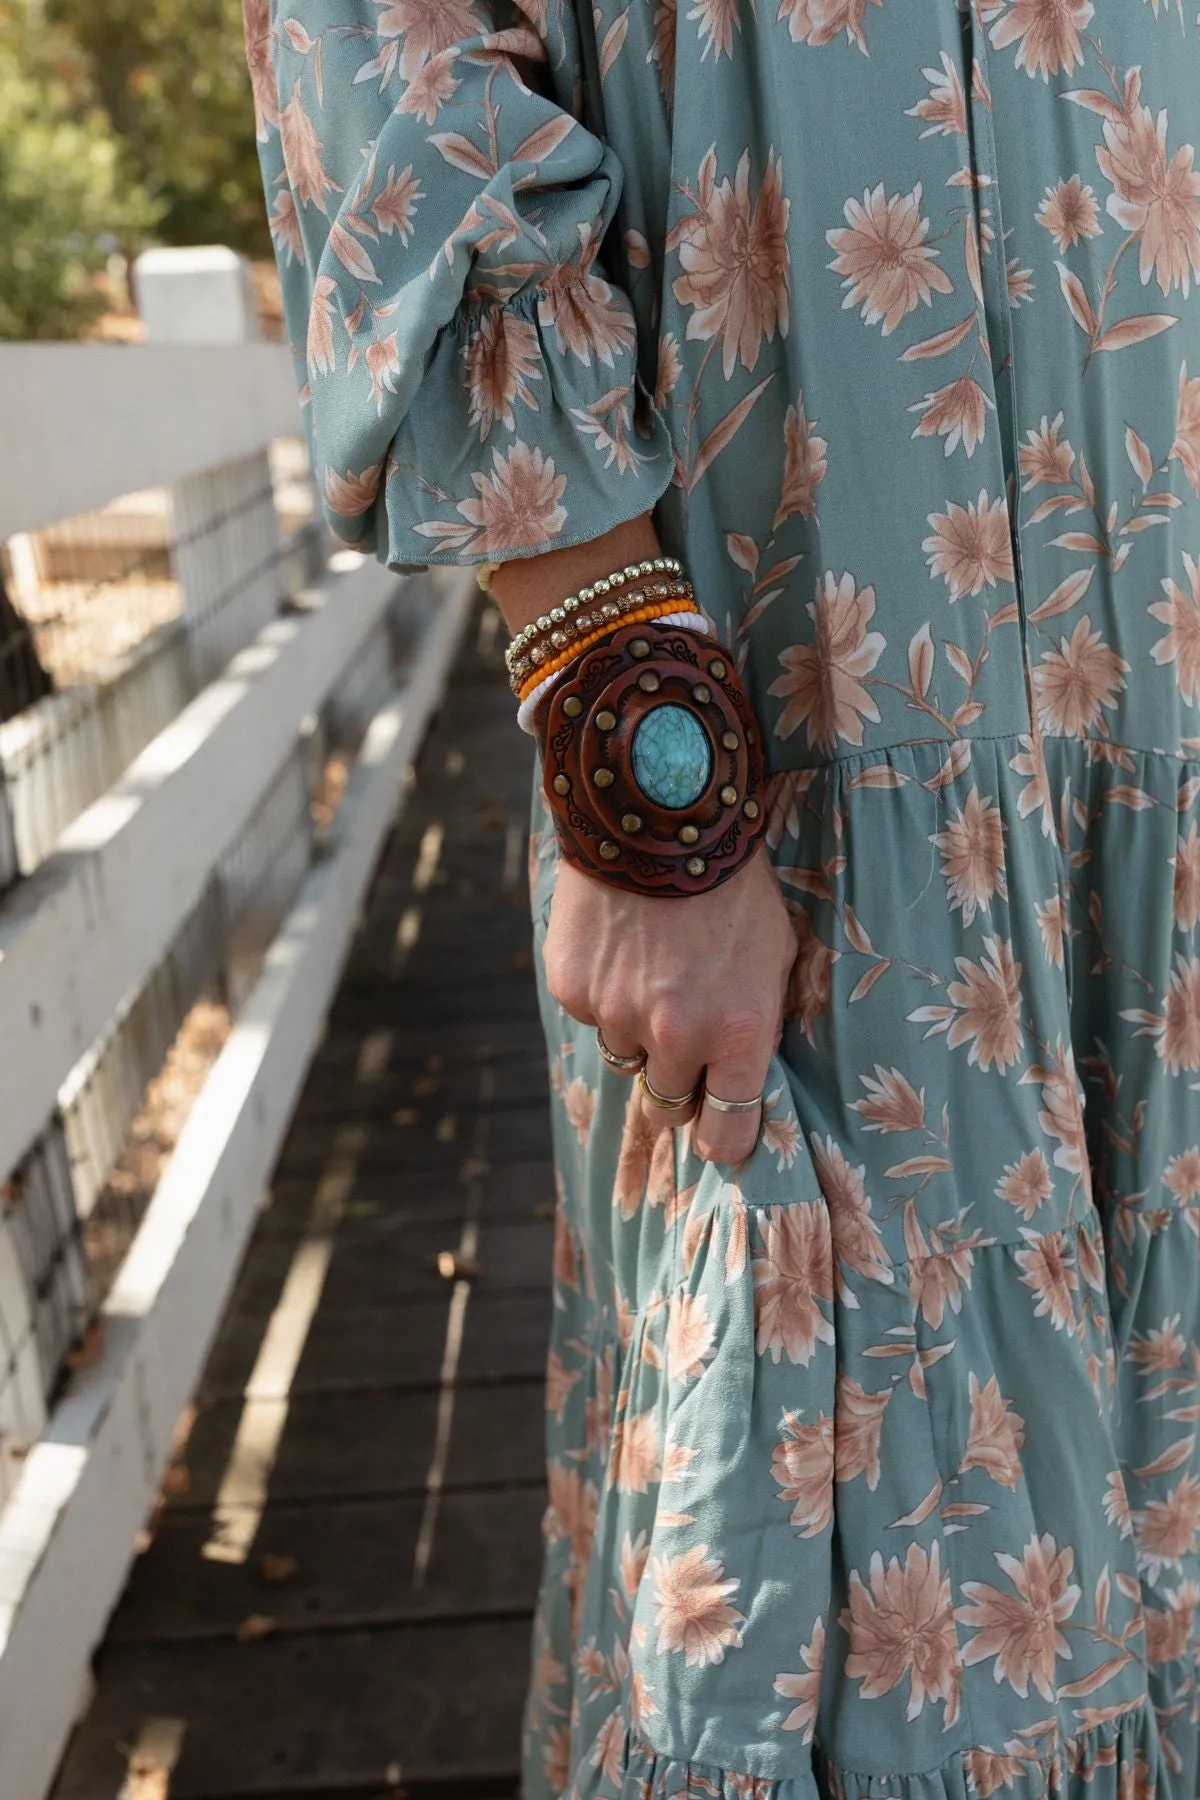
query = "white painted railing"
{"x": 157, "y": 837}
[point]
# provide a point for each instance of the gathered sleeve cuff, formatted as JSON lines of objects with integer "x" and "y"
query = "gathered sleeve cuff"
{"x": 473, "y": 380}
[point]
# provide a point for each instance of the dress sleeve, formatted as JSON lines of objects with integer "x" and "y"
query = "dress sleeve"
{"x": 471, "y": 376}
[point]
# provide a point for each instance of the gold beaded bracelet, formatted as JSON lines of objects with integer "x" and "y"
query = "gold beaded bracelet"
{"x": 547, "y": 647}
{"x": 597, "y": 590}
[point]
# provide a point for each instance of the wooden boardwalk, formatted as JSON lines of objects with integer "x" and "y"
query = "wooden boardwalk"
{"x": 336, "y": 1597}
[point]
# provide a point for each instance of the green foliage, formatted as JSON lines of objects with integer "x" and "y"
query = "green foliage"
{"x": 171, "y": 75}
{"x": 68, "y": 201}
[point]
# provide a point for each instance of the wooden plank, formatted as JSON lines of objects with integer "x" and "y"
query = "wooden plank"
{"x": 496, "y": 942}
{"x": 464, "y": 1043}
{"x": 380, "y": 1068}
{"x": 374, "y": 1262}
{"x": 378, "y": 1443}
{"x": 516, "y": 1134}
{"x": 67, "y": 1536}
{"x": 503, "y": 1336}
{"x": 303, "y": 1714}
{"x": 90, "y": 925}
{"x": 351, "y": 1564}
{"x": 518, "y": 1191}
{"x": 482, "y": 991}
{"x": 134, "y": 416}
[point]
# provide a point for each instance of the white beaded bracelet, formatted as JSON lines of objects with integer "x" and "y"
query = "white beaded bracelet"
{"x": 694, "y": 619}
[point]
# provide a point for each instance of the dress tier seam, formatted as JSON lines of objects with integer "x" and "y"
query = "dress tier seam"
{"x": 879, "y": 752}
{"x": 1135, "y": 1706}
{"x": 900, "y": 1265}
{"x": 1138, "y": 1706}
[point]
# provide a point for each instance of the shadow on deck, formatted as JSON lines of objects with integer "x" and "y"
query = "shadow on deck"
{"x": 336, "y": 1597}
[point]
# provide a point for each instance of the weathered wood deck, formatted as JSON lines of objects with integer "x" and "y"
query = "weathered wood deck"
{"x": 336, "y": 1598}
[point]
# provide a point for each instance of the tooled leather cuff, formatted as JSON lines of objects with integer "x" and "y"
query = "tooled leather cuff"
{"x": 652, "y": 763}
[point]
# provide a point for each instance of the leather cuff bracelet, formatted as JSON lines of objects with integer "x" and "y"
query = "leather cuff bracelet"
{"x": 652, "y": 763}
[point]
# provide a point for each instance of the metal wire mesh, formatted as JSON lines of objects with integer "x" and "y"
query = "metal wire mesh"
{"x": 111, "y": 621}
{"x": 105, "y": 1091}
{"x": 45, "y": 1292}
{"x": 261, "y": 873}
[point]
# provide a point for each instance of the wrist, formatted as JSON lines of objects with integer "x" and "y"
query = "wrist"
{"x": 528, "y": 585}
{"x": 652, "y": 762}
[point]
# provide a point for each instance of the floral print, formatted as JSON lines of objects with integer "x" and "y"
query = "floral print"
{"x": 873, "y": 1466}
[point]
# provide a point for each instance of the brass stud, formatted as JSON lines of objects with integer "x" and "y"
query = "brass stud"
{"x": 603, "y": 778}
{"x": 605, "y": 720}
{"x": 729, "y": 740}
{"x": 729, "y": 796}
{"x": 648, "y": 681}
{"x": 572, "y": 706}
{"x": 639, "y": 647}
{"x": 702, "y": 692}
{"x": 630, "y": 822}
{"x": 610, "y": 851}
{"x": 688, "y": 834}
{"x": 751, "y": 809}
{"x": 695, "y": 865}
{"x": 716, "y": 669}
{"x": 562, "y": 784}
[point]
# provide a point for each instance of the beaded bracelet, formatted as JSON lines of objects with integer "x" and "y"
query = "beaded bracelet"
{"x": 689, "y": 617}
{"x": 635, "y": 616}
{"x": 639, "y": 616}
{"x": 608, "y": 584}
{"x": 605, "y": 617}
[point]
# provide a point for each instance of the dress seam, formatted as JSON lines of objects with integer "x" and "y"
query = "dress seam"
{"x": 1071, "y": 1229}
{"x": 644, "y": 1745}
{"x": 878, "y": 752}
{"x": 1135, "y": 1706}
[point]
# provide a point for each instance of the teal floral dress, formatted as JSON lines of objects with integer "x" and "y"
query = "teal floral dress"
{"x": 873, "y": 1463}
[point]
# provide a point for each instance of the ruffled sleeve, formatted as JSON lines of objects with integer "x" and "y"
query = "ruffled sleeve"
{"x": 472, "y": 376}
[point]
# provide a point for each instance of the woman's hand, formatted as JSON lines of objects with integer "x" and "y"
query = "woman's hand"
{"x": 697, "y": 983}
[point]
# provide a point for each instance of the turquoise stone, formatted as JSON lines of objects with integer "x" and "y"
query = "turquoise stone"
{"x": 672, "y": 757}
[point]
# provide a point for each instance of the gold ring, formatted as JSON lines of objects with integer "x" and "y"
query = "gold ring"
{"x": 624, "y": 1065}
{"x": 731, "y": 1106}
{"x": 668, "y": 1102}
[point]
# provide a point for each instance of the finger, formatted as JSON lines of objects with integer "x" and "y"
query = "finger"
{"x": 674, "y": 1073}
{"x": 736, "y": 1073}
{"x": 620, "y": 1042}
{"x": 567, "y": 988}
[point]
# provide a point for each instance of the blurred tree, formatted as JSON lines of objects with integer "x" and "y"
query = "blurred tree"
{"x": 68, "y": 201}
{"x": 172, "y": 76}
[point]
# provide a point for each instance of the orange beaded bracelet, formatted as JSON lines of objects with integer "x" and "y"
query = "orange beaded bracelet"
{"x": 640, "y": 616}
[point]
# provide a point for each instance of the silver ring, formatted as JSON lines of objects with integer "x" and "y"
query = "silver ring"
{"x": 731, "y": 1106}
{"x": 624, "y": 1065}
{"x": 668, "y": 1102}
